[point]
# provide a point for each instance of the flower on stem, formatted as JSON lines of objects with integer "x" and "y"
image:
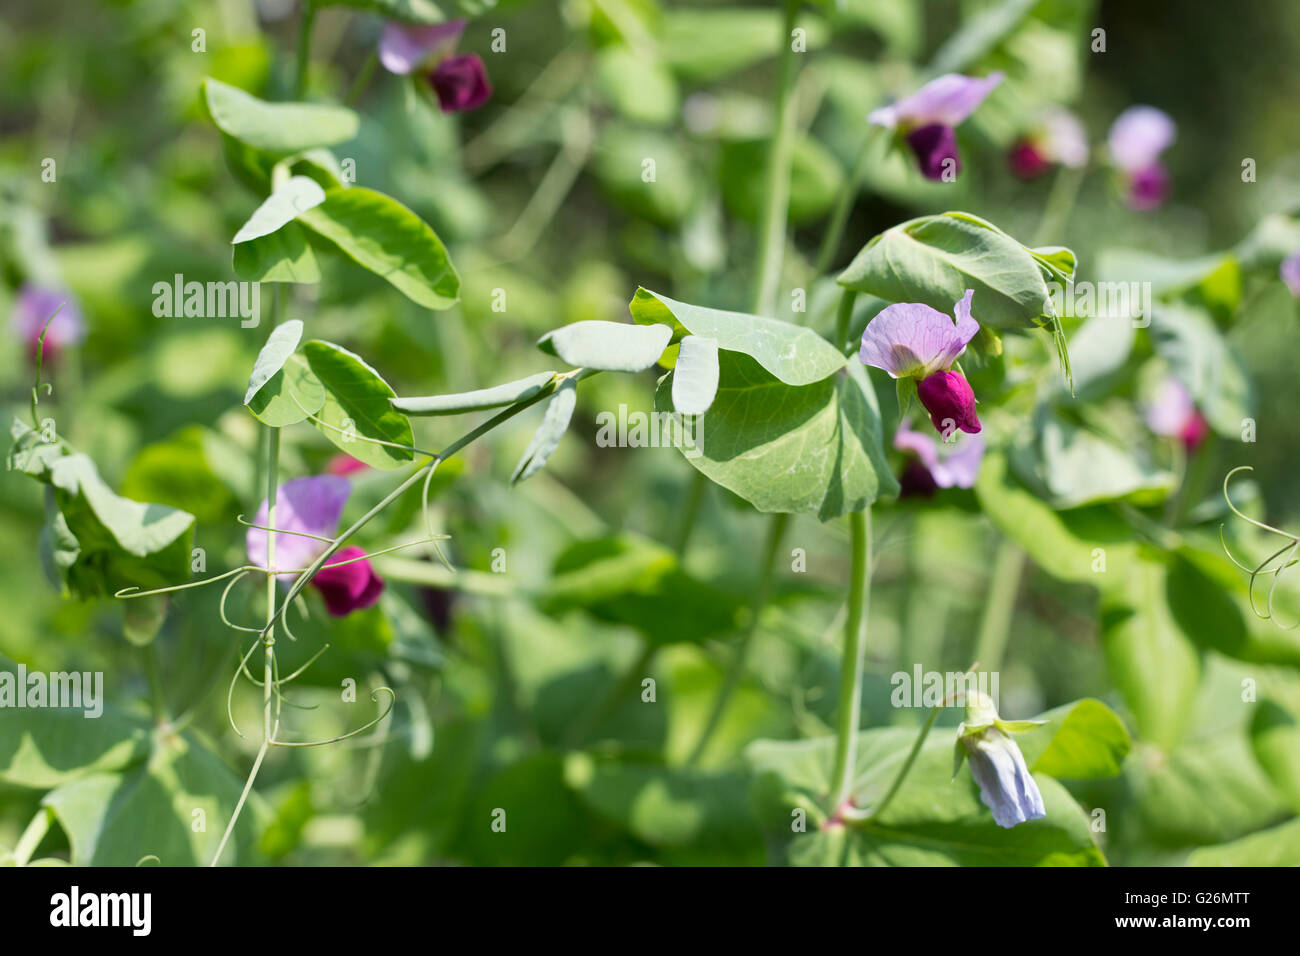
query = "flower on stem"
{"x": 1137, "y": 138}
{"x": 910, "y": 340}
{"x": 926, "y": 120}
{"x": 1173, "y": 413}
{"x": 459, "y": 79}
{"x": 937, "y": 465}
{"x": 996, "y": 763}
{"x": 1057, "y": 139}
{"x": 312, "y": 506}
{"x": 1289, "y": 272}
{"x": 32, "y": 310}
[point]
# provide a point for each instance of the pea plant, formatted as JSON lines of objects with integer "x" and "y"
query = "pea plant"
{"x": 1036, "y": 631}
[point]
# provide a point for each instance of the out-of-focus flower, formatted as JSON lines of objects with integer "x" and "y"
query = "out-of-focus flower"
{"x": 1058, "y": 139}
{"x": 32, "y": 310}
{"x": 1172, "y": 413}
{"x": 927, "y": 118}
{"x": 459, "y": 79}
{"x": 342, "y": 464}
{"x": 941, "y": 465}
{"x": 312, "y": 506}
{"x": 996, "y": 763}
{"x": 1290, "y": 273}
{"x": 912, "y": 340}
{"x": 1137, "y": 138}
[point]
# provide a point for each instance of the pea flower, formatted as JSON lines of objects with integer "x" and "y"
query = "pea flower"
{"x": 912, "y": 340}
{"x": 1290, "y": 273}
{"x": 1006, "y": 785}
{"x": 33, "y": 308}
{"x": 927, "y": 118}
{"x": 312, "y": 505}
{"x": 1173, "y": 414}
{"x": 1137, "y": 138}
{"x": 937, "y": 465}
{"x": 1058, "y": 139}
{"x": 459, "y": 79}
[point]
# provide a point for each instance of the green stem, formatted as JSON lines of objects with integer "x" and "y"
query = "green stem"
{"x": 363, "y": 78}
{"x": 1060, "y": 203}
{"x": 1003, "y": 586}
{"x": 843, "y": 316}
{"x": 32, "y": 836}
{"x": 903, "y": 771}
{"x": 305, "y": 22}
{"x": 156, "y": 699}
{"x": 775, "y": 530}
{"x": 694, "y": 497}
{"x": 846, "y": 738}
{"x": 776, "y": 192}
{"x": 618, "y": 694}
{"x": 843, "y": 206}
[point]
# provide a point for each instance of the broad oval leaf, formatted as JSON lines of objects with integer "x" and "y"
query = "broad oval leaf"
{"x": 1084, "y": 740}
{"x": 478, "y": 400}
{"x": 795, "y": 355}
{"x": 380, "y": 234}
{"x": 282, "y": 256}
{"x": 280, "y": 344}
{"x": 611, "y": 346}
{"x": 297, "y": 194}
{"x": 279, "y": 128}
{"x": 795, "y": 449}
{"x": 358, "y": 405}
{"x": 695, "y": 375}
{"x": 555, "y": 422}
{"x": 289, "y": 396}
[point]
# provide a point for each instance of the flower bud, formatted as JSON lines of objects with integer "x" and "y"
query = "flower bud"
{"x": 461, "y": 83}
{"x": 934, "y": 145}
{"x": 948, "y": 397}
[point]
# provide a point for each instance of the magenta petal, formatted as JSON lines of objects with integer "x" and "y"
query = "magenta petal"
{"x": 311, "y": 505}
{"x": 33, "y": 308}
{"x": 935, "y": 146}
{"x": 948, "y": 397}
{"x": 348, "y": 587}
{"x": 404, "y": 49}
{"x": 1148, "y": 187}
{"x": 1027, "y": 160}
{"x": 461, "y": 83}
{"x": 1289, "y": 272}
{"x": 1139, "y": 135}
{"x": 945, "y": 100}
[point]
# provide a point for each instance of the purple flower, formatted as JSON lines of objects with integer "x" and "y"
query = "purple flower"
{"x": 1172, "y": 413}
{"x": 1137, "y": 138}
{"x": 1058, "y": 138}
{"x": 312, "y": 506}
{"x": 927, "y": 118}
{"x": 947, "y": 464}
{"x": 33, "y": 308}
{"x": 912, "y": 340}
{"x": 1290, "y": 273}
{"x": 996, "y": 763}
{"x": 461, "y": 83}
{"x": 403, "y": 49}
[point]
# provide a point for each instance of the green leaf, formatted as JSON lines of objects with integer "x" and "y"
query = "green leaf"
{"x": 31, "y": 453}
{"x": 283, "y": 256}
{"x": 979, "y": 34}
{"x": 816, "y": 179}
{"x": 424, "y": 12}
{"x": 358, "y": 406}
{"x": 665, "y": 197}
{"x": 45, "y": 747}
{"x": 297, "y": 194}
{"x": 380, "y": 234}
{"x": 795, "y": 355}
{"x": 177, "y": 472}
{"x": 1277, "y": 846}
{"x": 1152, "y": 662}
{"x": 120, "y": 542}
{"x": 1202, "y": 359}
{"x": 639, "y": 87}
{"x": 555, "y": 422}
{"x": 935, "y": 259}
{"x": 1275, "y": 741}
{"x": 289, "y": 396}
{"x": 695, "y": 375}
{"x": 628, "y": 579}
{"x": 1081, "y": 741}
{"x": 612, "y": 346}
{"x": 495, "y": 397}
{"x": 690, "y": 39}
{"x": 1081, "y": 467}
{"x": 280, "y": 344}
{"x": 933, "y": 820}
{"x": 808, "y": 449}
{"x": 277, "y": 128}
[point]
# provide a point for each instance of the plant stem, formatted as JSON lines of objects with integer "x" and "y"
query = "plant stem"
{"x": 1059, "y": 205}
{"x": 156, "y": 699}
{"x": 846, "y": 739}
{"x": 1003, "y": 586}
{"x": 694, "y": 497}
{"x": 32, "y": 836}
{"x": 618, "y": 693}
{"x": 363, "y": 78}
{"x": 776, "y": 193}
{"x": 305, "y": 21}
{"x": 843, "y": 206}
{"x": 775, "y": 530}
{"x": 903, "y": 771}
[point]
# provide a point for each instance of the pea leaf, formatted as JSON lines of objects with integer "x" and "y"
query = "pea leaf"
{"x": 289, "y": 396}
{"x": 358, "y": 404}
{"x": 478, "y": 400}
{"x": 1081, "y": 741}
{"x": 793, "y": 354}
{"x": 612, "y": 346}
{"x": 546, "y": 439}
{"x": 280, "y": 344}
{"x": 1275, "y": 741}
{"x": 297, "y": 194}
{"x": 282, "y": 256}
{"x": 423, "y": 12}
{"x": 45, "y": 747}
{"x": 797, "y": 449}
{"x": 1276, "y": 846}
{"x": 380, "y": 234}
{"x": 277, "y": 128}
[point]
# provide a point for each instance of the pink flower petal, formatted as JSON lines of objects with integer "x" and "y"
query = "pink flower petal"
{"x": 1139, "y": 135}
{"x": 945, "y": 100}
{"x": 912, "y": 339}
{"x": 404, "y": 48}
{"x": 312, "y": 505}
